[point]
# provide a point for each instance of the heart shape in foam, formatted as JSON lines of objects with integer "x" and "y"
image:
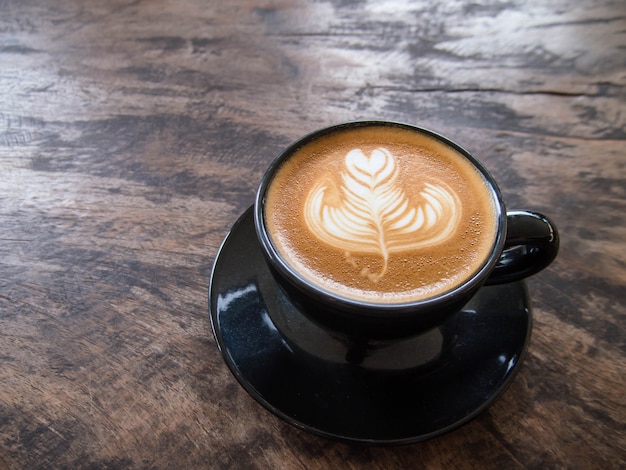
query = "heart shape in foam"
{"x": 370, "y": 170}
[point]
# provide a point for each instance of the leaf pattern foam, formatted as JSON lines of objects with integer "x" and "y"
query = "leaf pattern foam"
{"x": 368, "y": 212}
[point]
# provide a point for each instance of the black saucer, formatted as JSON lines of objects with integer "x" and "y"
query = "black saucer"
{"x": 377, "y": 393}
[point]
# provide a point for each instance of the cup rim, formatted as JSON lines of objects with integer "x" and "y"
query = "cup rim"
{"x": 368, "y": 308}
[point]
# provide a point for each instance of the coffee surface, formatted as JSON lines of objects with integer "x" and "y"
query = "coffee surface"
{"x": 382, "y": 214}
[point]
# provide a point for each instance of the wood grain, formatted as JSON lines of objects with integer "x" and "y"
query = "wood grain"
{"x": 134, "y": 133}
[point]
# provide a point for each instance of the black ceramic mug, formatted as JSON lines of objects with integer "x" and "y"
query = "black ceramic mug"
{"x": 378, "y": 229}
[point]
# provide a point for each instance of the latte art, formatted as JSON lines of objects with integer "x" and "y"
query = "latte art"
{"x": 368, "y": 211}
{"x": 381, "y": 214}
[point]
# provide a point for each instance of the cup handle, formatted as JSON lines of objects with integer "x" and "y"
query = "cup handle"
{"x": 532, "y": 243}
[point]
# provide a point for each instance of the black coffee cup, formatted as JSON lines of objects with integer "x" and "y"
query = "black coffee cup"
{"x": 525, "y": 242}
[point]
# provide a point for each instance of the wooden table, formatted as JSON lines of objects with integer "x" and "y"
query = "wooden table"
{"x": 133, "y": 135}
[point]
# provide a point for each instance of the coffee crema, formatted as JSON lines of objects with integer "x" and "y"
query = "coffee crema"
{"x": 382, "y": 214}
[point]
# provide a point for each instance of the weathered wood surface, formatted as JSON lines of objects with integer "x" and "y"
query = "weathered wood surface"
{"x": 133, "y": 134}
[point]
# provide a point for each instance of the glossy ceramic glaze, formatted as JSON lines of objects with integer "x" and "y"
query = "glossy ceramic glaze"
{"x": 528, "y": 246}
{"x": 374, "y": 392}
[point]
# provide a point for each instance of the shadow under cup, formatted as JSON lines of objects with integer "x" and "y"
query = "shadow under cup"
{"x": 525, "y": 242}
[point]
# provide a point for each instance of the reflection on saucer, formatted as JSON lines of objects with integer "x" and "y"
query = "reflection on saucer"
{"x": 301, "y": 332}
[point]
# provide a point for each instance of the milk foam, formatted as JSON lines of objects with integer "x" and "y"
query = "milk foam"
{"x": 381, "y": 214}
{"x": 365, "y": 210}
